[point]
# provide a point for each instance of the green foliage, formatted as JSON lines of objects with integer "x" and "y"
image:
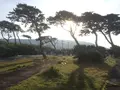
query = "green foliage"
{"x": 112, "y": 22}
{"x": 32, "y": 17}
{"x": 90, "y": 78}
{"x": 6, "y": 28}
{"x": 62, "y": 16}
{"x": 110, "y": 61}
{"x": 52, "y": 73}
{"x": 8, "y": 50}
{"x": 106, "y": 25}
{"x": 38, "y": 82}
{"x": 14, "y": 65}
{"x": 115, "y": 50}
{"x": 88, "y": 54}
{"x": 91, "y": 22}
{"x": 16, "y": 68}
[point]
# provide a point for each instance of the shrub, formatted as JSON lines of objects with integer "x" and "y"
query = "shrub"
{"x": 8, "y": 50}
{"x": 115, "y": 50}
{"x": 88, "y": 54}
{"x": 24, "y": 49}
{"x": 52, "y": 73}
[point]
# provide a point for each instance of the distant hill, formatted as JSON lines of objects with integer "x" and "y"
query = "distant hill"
{"x": 66, "y": 44}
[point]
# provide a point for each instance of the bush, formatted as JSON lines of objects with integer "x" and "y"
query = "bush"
{"x": 25, "y": 49}
{"x": 88, "y": 54}
{"x": 8, "y": 50}
{"x": 52, "y": 73}
{"x": 115, "y": 51}
{"x": 5, "y": 51}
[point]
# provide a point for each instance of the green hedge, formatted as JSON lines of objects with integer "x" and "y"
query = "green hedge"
{"x": 8, "y": 50}
{"x": 89, "y": 54}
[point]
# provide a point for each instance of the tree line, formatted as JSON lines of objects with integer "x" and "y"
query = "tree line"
{"x": 32, "y": 17}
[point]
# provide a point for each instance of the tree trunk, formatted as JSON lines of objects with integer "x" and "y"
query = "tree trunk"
{"x": 105, "y": 37}
{"x": 96, "y": 39}
{"x": 18, "y": 37}
{"x": 14, "y": 37}
{"x": 74, "y": 38}
{"x": 112, "y": 44}
{"x": 8, "y": 38}
{"x": 53, "y": 45}
{"x": 30, "y": 41}
{"x": 4, "y": 37}
{"x": 40, "y": 42}
{"x": 41, "y": 46}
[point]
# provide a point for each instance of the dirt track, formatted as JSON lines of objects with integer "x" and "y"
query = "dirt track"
{"x": 13, "y": 78}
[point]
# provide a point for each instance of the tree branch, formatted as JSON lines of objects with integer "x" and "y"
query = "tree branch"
{"x": 63, "y": 27}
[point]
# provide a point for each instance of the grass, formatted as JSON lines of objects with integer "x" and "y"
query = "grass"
{"x": 15, "y": 67}
{"x": 110, "y": 61}
{"x": 38, "y": 82}
{"x": 67, "y": 67}
{"x": 94, "y": 76}
{"x": 14, "y": 62}
{"x": 10, "y": 66}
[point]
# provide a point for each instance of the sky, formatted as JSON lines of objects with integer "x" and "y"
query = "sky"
{"x": 50, "y": 7}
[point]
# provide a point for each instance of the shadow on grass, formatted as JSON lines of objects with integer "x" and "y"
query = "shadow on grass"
{"x": 78, "y": 80}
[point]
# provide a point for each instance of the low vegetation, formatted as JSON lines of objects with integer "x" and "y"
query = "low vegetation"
{"x": 40, "y": 82}
{"x": 14, "y": 65}
{"x": 51, "y": 73}
{"x": 111, "y": 61}
{"x": 14, "y": 62}
{"x": 66, "y": 75}
{"x": 9, "y": 50}
{"x": 89, "y": 53}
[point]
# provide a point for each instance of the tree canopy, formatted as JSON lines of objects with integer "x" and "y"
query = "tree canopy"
{"x": 66, "y": 18}
{"x": 8, "y": 27}
{"x": 32, "y": 17}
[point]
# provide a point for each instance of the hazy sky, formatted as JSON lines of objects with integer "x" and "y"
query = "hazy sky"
{"x": 49, "y": 7}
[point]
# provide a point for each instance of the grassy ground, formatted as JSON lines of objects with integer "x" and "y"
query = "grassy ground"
{"x": 96, "y": 76}
{"x": 9, "y": 66}
{"x": 14, "y": 62}
{"x": 38, "y": 82}
{"x": 91, "y": 76}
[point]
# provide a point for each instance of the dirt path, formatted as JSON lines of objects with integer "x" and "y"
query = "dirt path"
{"x": 13, "y": 78}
